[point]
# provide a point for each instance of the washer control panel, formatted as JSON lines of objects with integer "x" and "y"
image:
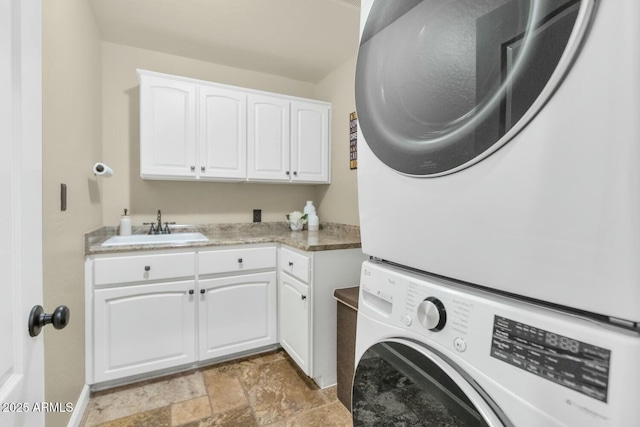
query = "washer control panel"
{"x": 575, "y": 366}
{"x": 566, "y": 361}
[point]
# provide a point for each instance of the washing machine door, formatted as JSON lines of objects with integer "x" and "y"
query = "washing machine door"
{"x": 400, "y": 382}
{"x": 442, "y": 85}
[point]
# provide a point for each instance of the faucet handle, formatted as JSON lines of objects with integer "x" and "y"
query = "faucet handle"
{"x": 167, "y": 230}
{"x": 152, "y": 230}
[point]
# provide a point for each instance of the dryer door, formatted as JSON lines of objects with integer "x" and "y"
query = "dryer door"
{"x": 441, "y": 85}
{"x": 400, "y": 382}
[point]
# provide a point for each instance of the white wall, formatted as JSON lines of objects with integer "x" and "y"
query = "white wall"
{"x": 71, "y": 74}
{"x": 338, "y": 202}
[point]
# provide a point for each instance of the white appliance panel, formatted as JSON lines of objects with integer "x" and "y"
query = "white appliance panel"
{"x": 567, "y": 371}
{"x": 553, "y": 214}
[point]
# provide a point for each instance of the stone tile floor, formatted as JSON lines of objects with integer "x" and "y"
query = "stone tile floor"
{"x": 260, "y": 391}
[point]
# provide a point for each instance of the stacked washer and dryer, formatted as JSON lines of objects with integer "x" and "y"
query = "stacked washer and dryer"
{"x": 499, "y": 194}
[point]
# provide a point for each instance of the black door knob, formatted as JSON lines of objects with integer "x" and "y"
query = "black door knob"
{"x": 38, "y": 319}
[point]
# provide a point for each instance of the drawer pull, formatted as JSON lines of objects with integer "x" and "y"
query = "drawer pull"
{"x": 290, "y": 263}
{"x": 239, "y": 260}
{"x": 147, "y": 268}
{"x": 191, "y": 291}
{"x": 303, "y": 297}
{"x": 202, "y": 291}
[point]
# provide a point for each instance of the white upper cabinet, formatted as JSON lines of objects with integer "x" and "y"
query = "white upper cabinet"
{"x": 288, "y": 140}
{"x": 167, "y": 128}
{"x": 268, "y": 139}
{"x": 222, "y": 137}
{"x": 197, "y": 130}
{"x": 309, "y": 142}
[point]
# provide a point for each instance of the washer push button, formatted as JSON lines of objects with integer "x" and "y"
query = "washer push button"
{"x": 406, "y": 319}
{"x": 460, "y": 344}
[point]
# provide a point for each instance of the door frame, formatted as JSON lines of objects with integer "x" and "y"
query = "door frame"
{"x": 23, "y": 385}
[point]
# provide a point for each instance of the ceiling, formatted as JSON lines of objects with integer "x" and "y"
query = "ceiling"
{"x": 300, "y": 39}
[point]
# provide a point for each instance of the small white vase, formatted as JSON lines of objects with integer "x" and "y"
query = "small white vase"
{"x": 296, "y": 226}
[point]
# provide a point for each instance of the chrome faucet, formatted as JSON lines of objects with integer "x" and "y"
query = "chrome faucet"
{"x": 157, "y": 228}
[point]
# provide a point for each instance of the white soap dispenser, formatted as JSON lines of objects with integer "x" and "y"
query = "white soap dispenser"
{"x": 313, "y": 222}
{"x": 125, "y": 224}
{"x": 309, "y": 208}
{"x": 312, "y": 217}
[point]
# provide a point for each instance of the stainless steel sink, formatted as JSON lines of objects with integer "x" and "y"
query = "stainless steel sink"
{"x": 149, "y": 239}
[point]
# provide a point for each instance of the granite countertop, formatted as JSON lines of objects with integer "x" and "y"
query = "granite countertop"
{"x": 330, "y": 236}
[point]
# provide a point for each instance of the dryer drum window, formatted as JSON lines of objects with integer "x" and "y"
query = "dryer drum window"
{"x": 441, "y": 85}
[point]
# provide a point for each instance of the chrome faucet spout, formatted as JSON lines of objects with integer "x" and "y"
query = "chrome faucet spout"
{"x": 159, "y": 227}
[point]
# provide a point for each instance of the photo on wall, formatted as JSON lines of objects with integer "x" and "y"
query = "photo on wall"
{"x": 353, "y": 141}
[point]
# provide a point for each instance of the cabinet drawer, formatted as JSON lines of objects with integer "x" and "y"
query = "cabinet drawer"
{"x": 143, "y": 268}
{"x": 295, "y": 264}
{"x": 236, "y": 260}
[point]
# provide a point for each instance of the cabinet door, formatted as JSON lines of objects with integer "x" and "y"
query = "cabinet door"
{"x": 309, "y": 142}
{"x": 268, "y": 139}
{"x": 295, "y": 329}
{"x": 144, "y": 328}
{"x": 237, "y": 313}
{"x": 167, "y": 128}
{"x": 222, "y": 137}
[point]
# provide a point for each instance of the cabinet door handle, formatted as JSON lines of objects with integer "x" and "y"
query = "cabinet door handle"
{"x": 202, "y": 168}
{"x": 202, "y": 291}
{"x": 191, "y": 291}
{"x": 303, "y": 297}
{"x": 239, "y": 260}
{"x": 193, "y": 168}
{"x": 287, "y": 172}
{"x": 147, "y": 268}
{"x": 295, "y": 173}
{"x": 290, "y": 263}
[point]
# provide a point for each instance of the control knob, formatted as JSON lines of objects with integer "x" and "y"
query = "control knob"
{"x": 432, "y": 314}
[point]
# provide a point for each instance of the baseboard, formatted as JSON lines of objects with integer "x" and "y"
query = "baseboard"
{"x": 80, "y": 407}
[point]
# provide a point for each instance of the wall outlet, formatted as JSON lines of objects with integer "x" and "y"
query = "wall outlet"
{"x": 257, "y": 215}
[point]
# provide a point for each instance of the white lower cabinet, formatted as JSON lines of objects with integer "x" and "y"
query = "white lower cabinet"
{"x": 236, "y": 313}
{"x": 159, "y": 311}
{"x": 153, "y": 311}
{"x": 307, "y": 310}
{"x": 143, "y": 328}
{"x": 294, "y": 320}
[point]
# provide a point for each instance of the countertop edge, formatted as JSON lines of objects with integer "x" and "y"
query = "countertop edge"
{"x": 339, "y": 236}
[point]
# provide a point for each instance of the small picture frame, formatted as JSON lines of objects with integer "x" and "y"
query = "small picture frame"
{"x": 353, "y": 141}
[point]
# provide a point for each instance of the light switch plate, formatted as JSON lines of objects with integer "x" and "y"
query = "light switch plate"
{"x": 63, "y": 197}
